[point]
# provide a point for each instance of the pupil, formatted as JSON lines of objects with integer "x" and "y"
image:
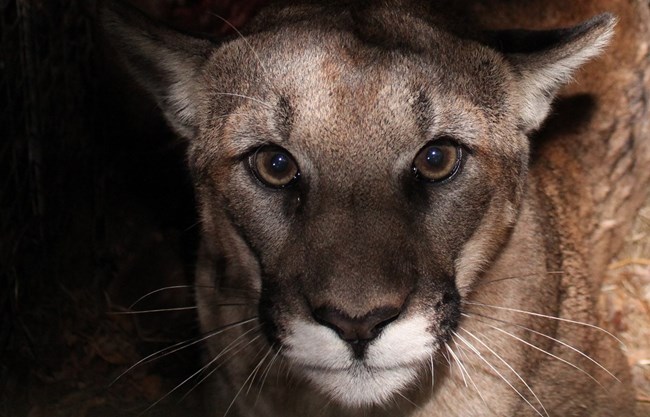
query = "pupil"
{"x": 435, "y": 156}
{"x": 279, "y": 163}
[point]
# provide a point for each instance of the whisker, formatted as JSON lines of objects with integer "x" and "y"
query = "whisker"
{"x": 433, "y": 377}
{"x": 326, "y": 406}
{"x": 172, "y": 287}
{"x": 444, "y": 355}
{"x": 499, "y": 373}
{"x": 266, "y": 373}
{"x": 235, "y": 344}
{"x": 180, "y": 346}
{"x": 547, "y": 353}
{"x": 515, "y": 310}
{"x": 257, "y": 100}
{"x": 158, "y": 310}
{"x": 478, "y": 391}
{"x": 193, "y": 225}
{"x": 283, "y": 364}
{"x": 181, "y": 384}
{"x": 165, "y": 310}
{"x": 242, "y": 37}
{"x": 246, "y": 381}
{"x": 258, "y": 367}
{"x": 288, "y": 374}
{"x": 595, "y": 362}
{"x": 511, "y": 369}
{"x": 408, "y": 400}
{"x": 453, "y": 355}
{"x": 494, "y": 281}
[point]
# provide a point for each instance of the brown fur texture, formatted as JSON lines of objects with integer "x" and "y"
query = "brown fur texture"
{"x": 388, "y": 295}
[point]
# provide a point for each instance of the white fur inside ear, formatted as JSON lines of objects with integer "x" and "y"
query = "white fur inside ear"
{"x": 542, "y": 74}
{"x": 180, "y": 102}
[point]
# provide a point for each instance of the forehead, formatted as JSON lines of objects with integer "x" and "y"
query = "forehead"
{"x": 362, "y": 55}
{"x": 344, "y": 97}
{"x": 342, "y": 87}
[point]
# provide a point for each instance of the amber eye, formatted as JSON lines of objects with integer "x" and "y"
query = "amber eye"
{"x": 438, "y": 161}
{"x": 274, "y": 166}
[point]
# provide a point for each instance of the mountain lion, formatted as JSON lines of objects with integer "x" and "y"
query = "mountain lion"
{"x": 392, "y": 225}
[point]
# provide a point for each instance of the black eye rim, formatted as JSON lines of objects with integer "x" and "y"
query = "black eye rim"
{"x": 252, "y": 166}
{"x": 444, "y": 141}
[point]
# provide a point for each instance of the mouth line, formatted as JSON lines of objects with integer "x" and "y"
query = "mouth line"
{"x": 356, "y": 366}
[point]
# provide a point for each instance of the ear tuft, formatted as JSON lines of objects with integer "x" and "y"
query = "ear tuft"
{"x": 546, "y": 60}
{"x": 165, "y": 62}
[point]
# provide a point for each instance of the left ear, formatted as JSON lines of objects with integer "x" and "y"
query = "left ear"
{"x": 545, "y": 60}
{"x": 166, "y": 63}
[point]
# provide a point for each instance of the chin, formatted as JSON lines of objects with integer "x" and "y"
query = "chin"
{"x": 361, "y": 386}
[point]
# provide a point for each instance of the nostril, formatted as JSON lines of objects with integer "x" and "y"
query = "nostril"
{"x": 324, "y": 317}
{"x": 356, "y": 329}
{"x": 332, "y": 318}
{"x": 386, "y": 318}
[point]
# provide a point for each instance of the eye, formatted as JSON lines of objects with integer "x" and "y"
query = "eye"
{"x": 437, "y": 161}
{"x": 274, "y": 167}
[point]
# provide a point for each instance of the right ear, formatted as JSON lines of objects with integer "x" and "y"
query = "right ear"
{"x": 167, "y": 63}
{"x": 545, "y": 60}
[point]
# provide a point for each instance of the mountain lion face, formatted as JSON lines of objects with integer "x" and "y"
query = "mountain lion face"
{"x": 355, "y": 177}
{"x": 358, "y": 188}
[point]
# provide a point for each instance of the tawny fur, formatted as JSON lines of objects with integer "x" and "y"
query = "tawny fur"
{"x": 548, "y": 190}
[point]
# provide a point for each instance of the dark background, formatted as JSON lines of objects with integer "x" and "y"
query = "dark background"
{"x": 96, "y": 210}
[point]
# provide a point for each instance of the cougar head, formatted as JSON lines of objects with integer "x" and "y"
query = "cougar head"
{"x": 356, "y": 169}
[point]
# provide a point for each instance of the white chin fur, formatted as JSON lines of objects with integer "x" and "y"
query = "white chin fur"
{"x": 390, "y": 364}
{"x": 360, "y": 386}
